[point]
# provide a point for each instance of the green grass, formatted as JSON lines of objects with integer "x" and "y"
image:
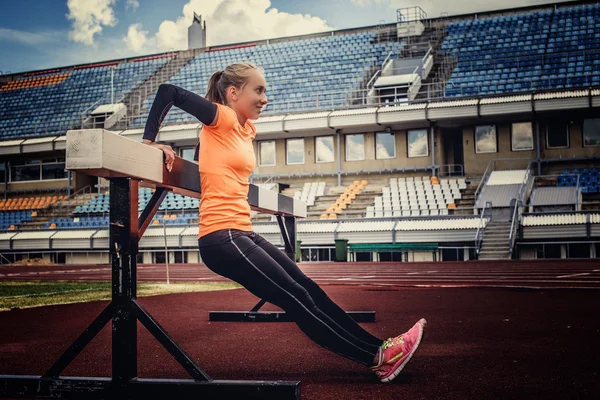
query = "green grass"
{"x": 26, "y": 294}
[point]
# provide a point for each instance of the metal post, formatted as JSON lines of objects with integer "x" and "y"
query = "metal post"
{"x": 166, "y": 249}
{"x": 538, "y": 149}
{"x": 112, "y": 85}
{"x": 339, "y": 160}
{"x": 123, "y": 241}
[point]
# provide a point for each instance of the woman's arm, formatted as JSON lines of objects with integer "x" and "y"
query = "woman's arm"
{"x": 170, "y": 95}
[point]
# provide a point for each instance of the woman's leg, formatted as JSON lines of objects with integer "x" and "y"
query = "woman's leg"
{"x": 320, "y": 298}
{"x": 243, "y": 261}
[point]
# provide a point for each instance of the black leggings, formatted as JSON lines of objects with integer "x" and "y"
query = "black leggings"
{"x": 268, "y": 273}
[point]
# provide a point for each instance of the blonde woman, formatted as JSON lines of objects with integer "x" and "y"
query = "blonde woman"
{"x": 228, "y": 245}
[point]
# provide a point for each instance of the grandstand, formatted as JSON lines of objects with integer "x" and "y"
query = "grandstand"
{"x": 446, "y": 138}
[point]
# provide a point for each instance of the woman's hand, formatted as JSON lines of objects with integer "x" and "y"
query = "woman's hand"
{"x": 169, "y": 153}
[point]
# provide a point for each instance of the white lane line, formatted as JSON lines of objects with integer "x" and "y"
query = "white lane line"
{"x": 596, "y": 270}
{"x": 568, "y": 276}
{"x": 431, "y": 272}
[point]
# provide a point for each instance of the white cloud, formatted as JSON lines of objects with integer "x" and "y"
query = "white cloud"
{"x": 132, "y": 4}
{"x": 136, "y": 37}
{"x": 364, "y": 3}
{"x": 29, "y": 38}
{"x": 89, "y": 17}
{"x": 228, "y": 21}
{"x": 434, "y": 8}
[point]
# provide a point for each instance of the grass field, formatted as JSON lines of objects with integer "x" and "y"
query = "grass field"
{"x": 26, "y": 294}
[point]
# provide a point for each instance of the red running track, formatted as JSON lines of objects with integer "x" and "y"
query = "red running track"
{"x": 511, "y": 273}
{"x": 480, "y": 343}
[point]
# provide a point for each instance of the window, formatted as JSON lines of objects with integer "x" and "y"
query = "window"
{"x": 187, "y": 153}
{"x": 355, "y": 147}
{"x": 385, "y": 146}
{"x": 266, "y": 152}
{"x": 295, "y": 151}
{"x": 591, "y": 132}
{"x": 557, "y": 135}
{"x": 54, "y": 171}
{"x": 417, "y": 143}
{"x": 324, "y": 149}
{"x": 36, "y": 170}
{"x": 521, "y": 136}
{"x": 485, "y": 139}
{"x": 2, "y": 172}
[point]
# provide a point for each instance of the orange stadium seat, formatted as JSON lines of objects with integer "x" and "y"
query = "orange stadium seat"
{"x": 332, "y": 216}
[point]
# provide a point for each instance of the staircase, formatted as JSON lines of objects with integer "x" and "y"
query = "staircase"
{"x": 134, "y": 100}
{"x": 466, "y": 203}
{"x": 495, "y": 241}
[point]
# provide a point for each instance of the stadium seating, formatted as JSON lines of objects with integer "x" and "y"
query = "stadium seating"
{"x": 52, "y": 103}
{"x": 310, "y": 191}
{"x": 417, "y": 196}
{"x": 8, "y": 218}
{"x": 29, "y": 203}
{"x": 296, "y": 71}
{"x": 102, "y": 221}
{"x": 551, "y": 49}
{"x": 588, "y": 179}
{"x": 101, "y": 203}
{"x": 344, "y": 199}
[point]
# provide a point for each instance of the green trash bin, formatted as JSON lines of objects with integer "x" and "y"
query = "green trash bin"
{"x": 298, "y": 250}
{"x": 341, "y": 250}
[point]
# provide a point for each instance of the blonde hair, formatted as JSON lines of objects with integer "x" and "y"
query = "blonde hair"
{"x": 236, "y": 74}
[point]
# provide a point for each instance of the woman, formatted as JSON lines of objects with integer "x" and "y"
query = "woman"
{"x": 228, "y": 245}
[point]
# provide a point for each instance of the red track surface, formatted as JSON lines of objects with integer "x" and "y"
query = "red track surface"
{"x": 523, "y": 273}
{"x": 480, "y": 343}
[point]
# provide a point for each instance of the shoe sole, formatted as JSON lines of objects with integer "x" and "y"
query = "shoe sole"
{"x": 413, "y": 351}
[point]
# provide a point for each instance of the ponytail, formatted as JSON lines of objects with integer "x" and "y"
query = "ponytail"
{"x": 233, "y": 75}
{"x": 214, "y": 92}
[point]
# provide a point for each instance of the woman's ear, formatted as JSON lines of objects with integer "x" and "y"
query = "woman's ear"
{"x": 233, "y": 93}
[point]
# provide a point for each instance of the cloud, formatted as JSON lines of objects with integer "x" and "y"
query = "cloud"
{"x": 29, "y": 38}
{"x": 136, "y": 37}
{"x": 324, "y": 149}
{"x": 132, "y": 4}
{"x": 364, "y": 3}
{"x": 227, "y": 21}
{"x": 434, "y": 8}
{"x": 355, "y": 147}
{"x": 418, "y": 144}
{"x": 89, "y": 17}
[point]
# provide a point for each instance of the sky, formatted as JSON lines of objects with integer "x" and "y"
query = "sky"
{"x": 40, "y": 34}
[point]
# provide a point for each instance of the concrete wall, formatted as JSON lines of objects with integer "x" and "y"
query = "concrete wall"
{"x": 575, "y": 148}
{"x": 475, "y": 164}
{"x": 86, "y": 258}
{"x": 369, "y": 163}
{"x": 193, "y": 256}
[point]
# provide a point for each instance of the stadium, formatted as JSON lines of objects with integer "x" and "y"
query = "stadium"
{"x": 450, "y": 138}
{"x": 439, "y": 166}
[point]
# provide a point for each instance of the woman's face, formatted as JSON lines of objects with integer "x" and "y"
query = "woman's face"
{"x": 250, "y": 101}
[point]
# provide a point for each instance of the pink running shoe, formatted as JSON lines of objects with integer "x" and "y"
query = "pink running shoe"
{"x": 398, "y": 351}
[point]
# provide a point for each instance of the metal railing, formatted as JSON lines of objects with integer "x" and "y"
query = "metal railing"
{"x": 480, "y": 228}
{"x": 526, "y": 184}
{"x": 514, "y": 224}
{"x": 491, "y": 167}
{"x": 64, "y": 207}
{"x": 452, "y": 170}
{"x": 539, "y": 177}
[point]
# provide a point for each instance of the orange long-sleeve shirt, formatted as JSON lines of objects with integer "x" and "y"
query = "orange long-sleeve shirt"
{"x": 225, "y": 161}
